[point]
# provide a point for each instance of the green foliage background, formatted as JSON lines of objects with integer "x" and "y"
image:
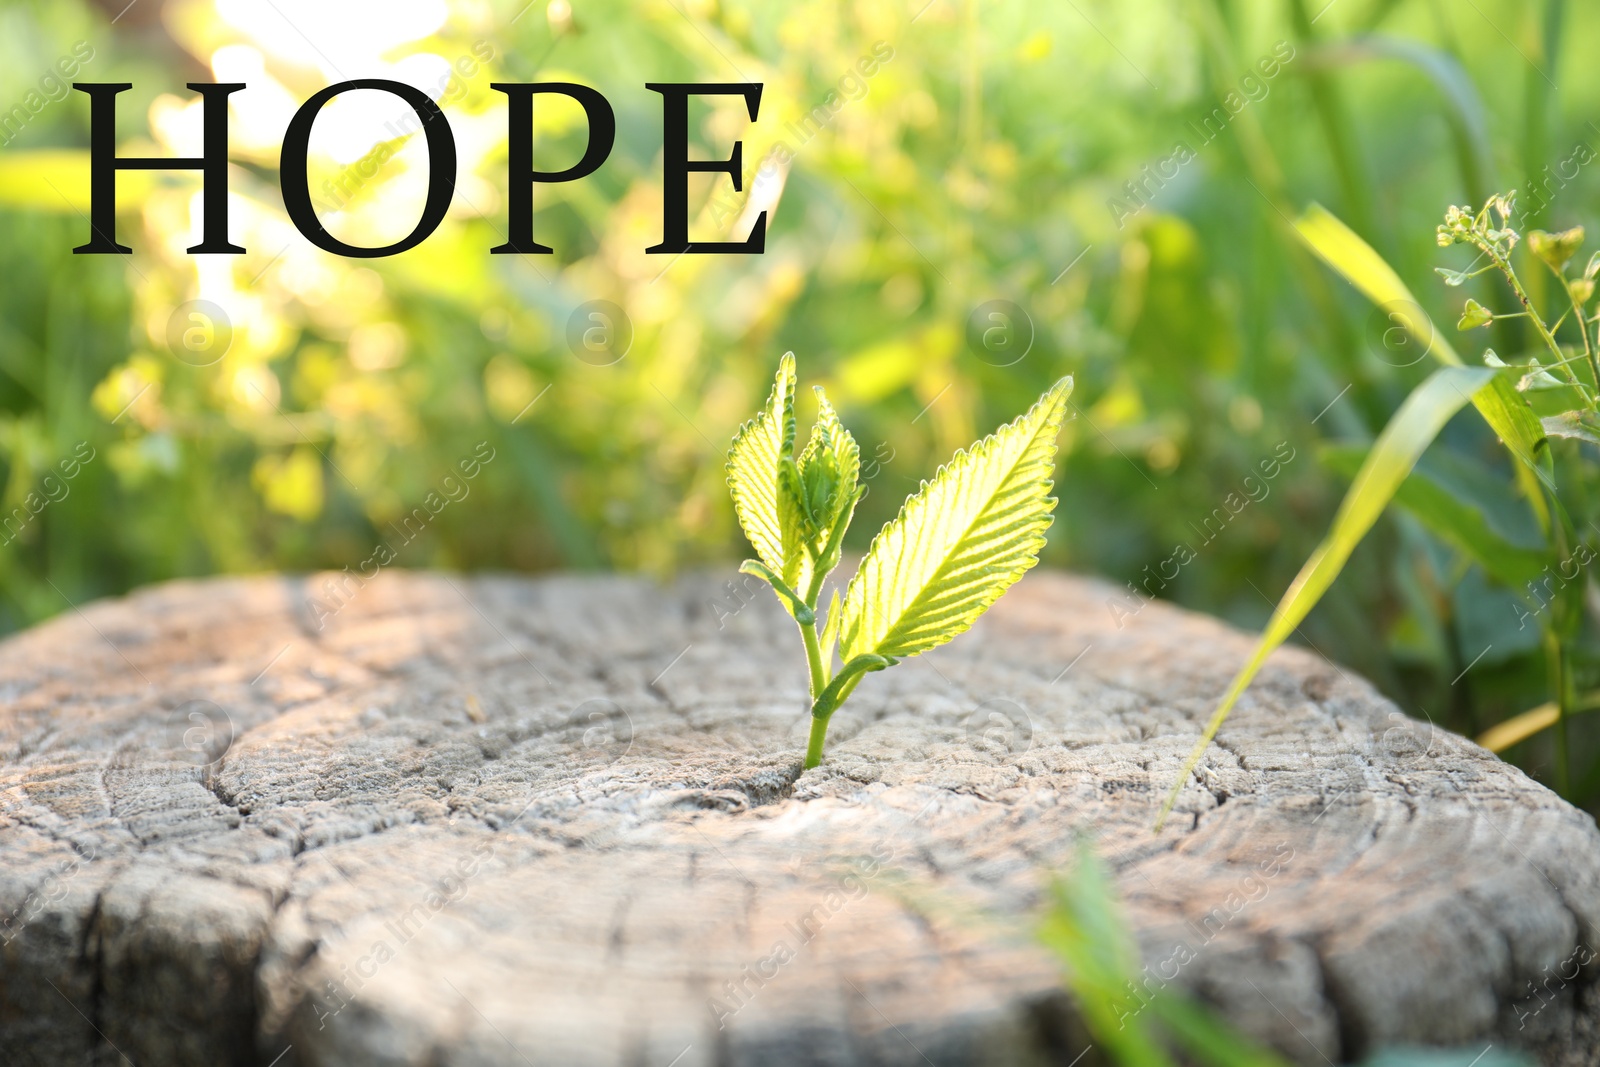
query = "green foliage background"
{"x": 978, "y": 163}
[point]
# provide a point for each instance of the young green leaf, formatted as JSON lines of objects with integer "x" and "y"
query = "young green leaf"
{"x": 1474, "y": 315}
{"x": 792, "y": 523}
{"x": 829, "y": 470}
{"x": 1393, "y": 455}
{"x": 759, "y": 466}
{"x": 1535, "y": 378}
{"x": 960, "y": 542}
{"x": 956, "y": 546}
{"x": 802, "y": 612}
{"x": 830, "y": 628}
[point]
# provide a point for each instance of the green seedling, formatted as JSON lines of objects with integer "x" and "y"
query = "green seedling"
{"x": 959, "y": 542}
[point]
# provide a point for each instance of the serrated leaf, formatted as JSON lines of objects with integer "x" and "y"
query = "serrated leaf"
{"x": 757, "y": 479}
{"x": 792, "y": 525}
{"x": 830, "y": 467}
{"x": 1393, "y": 455}
{"x": 830, "y": 628}
{"x": 960, "y": 542}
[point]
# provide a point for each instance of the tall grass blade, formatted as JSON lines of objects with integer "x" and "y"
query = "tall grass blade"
{"x": 1469, "y": 120}
{"x": 1084, "y": 926}
{"x": 1453, "y": 520}
{"x": 1501, "y": 406}
{"x": 1393, "y": 455}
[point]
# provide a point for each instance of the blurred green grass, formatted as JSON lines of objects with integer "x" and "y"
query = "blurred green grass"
{"x": 978, "y": 163}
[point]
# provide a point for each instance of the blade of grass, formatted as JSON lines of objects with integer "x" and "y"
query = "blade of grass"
{"x": 1377, "y": 13}
{"x": 1455, "y": 521}
{"x": 1085, "y": 927}
{"x": 1208, "y": 1040}
{"x": 1100, "y": 962}
{"x": 1266, "y": 174}
{"x": 1393, "y": 455}
{"x": 1518, "y": 728}
{"x": 1337, "y": 129}
{"x": 1343, "y": 249}
{"x": 1469, "y": 122}
{"x": 1501, "y": 406}
{"x": 1538, "y": 101}
{"x": 535, "y": 463}
{"x": 1539, "y": 96}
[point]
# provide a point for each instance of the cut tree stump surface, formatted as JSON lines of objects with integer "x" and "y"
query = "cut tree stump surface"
{"x": 446, "y": 821}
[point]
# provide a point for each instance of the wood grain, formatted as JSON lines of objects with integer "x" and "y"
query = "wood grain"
{"x": 440, "y": 820}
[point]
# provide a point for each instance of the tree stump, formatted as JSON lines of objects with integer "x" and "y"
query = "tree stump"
{"x": 438, "y": 820}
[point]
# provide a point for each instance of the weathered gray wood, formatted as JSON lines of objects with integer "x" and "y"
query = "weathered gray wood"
{"x": 562, "y": 821}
